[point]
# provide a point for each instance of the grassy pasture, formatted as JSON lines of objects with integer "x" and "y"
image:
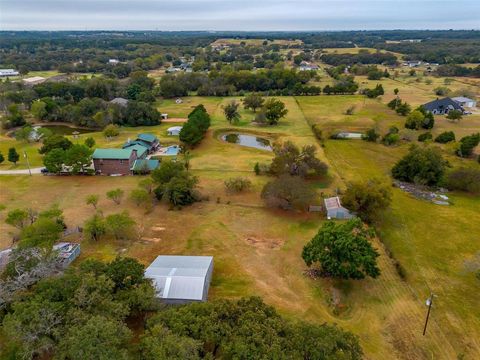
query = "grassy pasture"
{"x": 257, "y": 251}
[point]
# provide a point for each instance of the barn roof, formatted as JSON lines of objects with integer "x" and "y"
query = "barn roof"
{"x": 112, "y": 154}
{"x": 180, "y": 277}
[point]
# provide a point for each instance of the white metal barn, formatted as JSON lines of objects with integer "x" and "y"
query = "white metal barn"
{"x": 181, "y": 279}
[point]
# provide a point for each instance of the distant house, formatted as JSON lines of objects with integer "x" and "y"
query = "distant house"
{"x": 174, "y": 130}
{"x": 181, "y": 279}
{"x": 442, "y": 106}
{"x": 119, "y": 101}
{"x": 8, "y": 72}
{"x": 149, "y": 141}
{"x": 465, "y": 102}
{"x": 412, "y": 63}
{"x": 35, "y": 80}
{"x": 306, "y": 66}
{"x": 335, "y": 210}
{"x": 114, "y": 161}
{"x": 113, "y": 61}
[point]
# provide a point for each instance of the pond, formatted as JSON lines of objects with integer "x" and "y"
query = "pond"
{"x": 66, "y": 130}
{"x": 247, "y": 140}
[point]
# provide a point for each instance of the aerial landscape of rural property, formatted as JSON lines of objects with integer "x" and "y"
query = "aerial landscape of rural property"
{"x": 220, "y": 188}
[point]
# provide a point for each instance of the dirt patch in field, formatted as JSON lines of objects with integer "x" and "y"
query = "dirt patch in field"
{"x": 174, "y": 120}
{"x": 263, "y": 243}
{"x": 151, "y": 239}
{"x": 159, "y": 228}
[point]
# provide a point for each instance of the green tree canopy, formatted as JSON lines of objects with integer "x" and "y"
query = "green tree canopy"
{"x": 343, "y": 250}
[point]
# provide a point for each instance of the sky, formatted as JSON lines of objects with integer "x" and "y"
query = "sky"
{"x": 238, "y": 15}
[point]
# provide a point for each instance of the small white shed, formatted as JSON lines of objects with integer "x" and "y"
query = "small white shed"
{"x": 174, "y": 130}
{"x": 465, "y": 102}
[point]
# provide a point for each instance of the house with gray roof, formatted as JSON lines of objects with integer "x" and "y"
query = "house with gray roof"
{"x": 442, "y": 106}
{"x": 181, "y": 279}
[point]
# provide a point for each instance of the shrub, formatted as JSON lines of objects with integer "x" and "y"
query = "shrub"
{"x": 425, "y": 136}
{"x": 421, "y": 165}
{"x": 350, "y": 110}
{"x": 467, "y": 144}
{"x": 445, "y": 137}
{"x": 111, "y": 131}
{"x": 371, "y": 135}
{"x": 238, "y": 184}
{"x": 464, "y": 179}
{"x": 391, "y": 139}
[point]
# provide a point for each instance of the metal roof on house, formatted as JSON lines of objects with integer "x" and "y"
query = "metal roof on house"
{"x": 112, "y": 154}
{"x": 462, "y": 99}
{"x": 180, "y": 277}
{"x": 144, "y": 164}
{"x": 442, "y": 104}
{"x": 140, "y": 148}
{"x": 136, "y": 142}
{"x": 147, "y": 137}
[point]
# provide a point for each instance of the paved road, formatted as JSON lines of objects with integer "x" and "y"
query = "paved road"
{"x": 20, "y": 172}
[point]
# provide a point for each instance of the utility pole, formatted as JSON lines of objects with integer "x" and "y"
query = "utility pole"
{"x": 429, "y": 304}
{"x": 28, "y": 163}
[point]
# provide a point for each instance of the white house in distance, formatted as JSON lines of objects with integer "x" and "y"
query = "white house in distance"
{"x": 465, "y": 102}
{"x": 8, "y": 72}
{"x": 174, "y": 130}
{"x": 181, "y": 279}
{"x": 335, "y": 210}
{"x": 113, "y": 61}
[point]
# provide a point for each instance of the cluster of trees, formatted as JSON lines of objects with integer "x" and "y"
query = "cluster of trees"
{"x": 291, "y": 166}
{"x": 371, "y": 71}
{"x": 85, "y": 102}
{"x": 457, "y": 70}
{"x": 375, "y": 92}
{"x": 401, "y": 108}
{"x": 420, "y": 119}
{"x": 194, "y": 130}
{"x": 464, "y": 179}
{"x": 62, "y": 155}
{"x": 345, "y": 84}
{"x": 223, "y": 330}
{"x": 363, "y": 57}
{"x": 226, "y": 83}
{"x": 175, "y": 184}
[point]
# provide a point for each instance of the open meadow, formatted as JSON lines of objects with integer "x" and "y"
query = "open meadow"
{"x": 257, "y": 250}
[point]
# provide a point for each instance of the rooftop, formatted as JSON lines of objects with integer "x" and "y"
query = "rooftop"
{"x": 180, "y": 277}
{"x": 332, "y": 203}
{"x": 117, "y": 154}
{"x": 119, "y": 101}
{"x": 462, "y": 99}
{"x": 147, "y": 137}
{"x": 144, "y": 164}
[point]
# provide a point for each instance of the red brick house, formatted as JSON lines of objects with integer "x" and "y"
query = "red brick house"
{"x": 115, "y": 161}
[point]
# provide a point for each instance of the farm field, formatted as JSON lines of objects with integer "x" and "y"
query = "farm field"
{"x": 257, "y": 251}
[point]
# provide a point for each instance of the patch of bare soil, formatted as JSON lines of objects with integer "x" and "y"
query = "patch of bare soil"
{"x": 158, "y": 228}
{"x": 263, "y": 243}
{"x": 175, "y": 120}
{"x": 150, "y": 239}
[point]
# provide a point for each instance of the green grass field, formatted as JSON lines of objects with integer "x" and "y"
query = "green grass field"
{"x": 257, "y": 251}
